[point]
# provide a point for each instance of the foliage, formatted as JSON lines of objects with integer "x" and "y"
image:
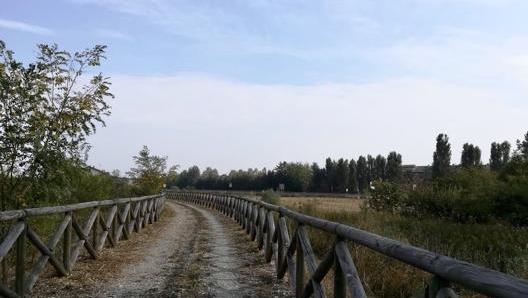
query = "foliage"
{"x": 342, "y": 175}
{"x": 330, "y": 170}
{"x": 522, "y": 148}
{"x": 149, "y": 173}
{"x": 269, "y": 196}
{"x": 386, "y": 197}
{"x": 394, "y": 167}
{"x": 468, "y": 195}
{"x": 189, "y": 177}
{"x": 381, "y": 167}
{"x": 499, "y": 155}
{"x": 171, "y": 179}
{"x": 470, "y": 156}
{"x": 47, "y": 113}
{"x": 500, "y": 247}
{"x": 362, "y": 174}
{"x": 442, "y": 156}
{"x": 352, "y": 176}
{"x": 371, "y": 168}
{"x": 295, "y": 176}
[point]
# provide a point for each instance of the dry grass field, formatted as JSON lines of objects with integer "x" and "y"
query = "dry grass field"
{"x": 323, "y": 203}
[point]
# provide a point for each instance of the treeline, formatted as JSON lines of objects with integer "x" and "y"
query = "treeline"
{"x": 339, "y": 176}
{"x": 468, "y": 192}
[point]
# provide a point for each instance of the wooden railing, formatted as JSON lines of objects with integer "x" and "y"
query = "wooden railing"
{"x": 106, "y": 223}
{"x": 266, "y": 223}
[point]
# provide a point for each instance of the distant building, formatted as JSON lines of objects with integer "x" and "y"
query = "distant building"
{"x": 417, "y": 174}
{"x": 95, "y": 171}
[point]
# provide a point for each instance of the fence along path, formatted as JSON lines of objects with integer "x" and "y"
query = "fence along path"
{"x": 266, "y": 223}
{"x": 107, "y": 223}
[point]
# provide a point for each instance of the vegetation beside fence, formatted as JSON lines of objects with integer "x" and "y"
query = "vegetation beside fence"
{"x": 307, "y": 260}
{"x": 25, "y": 251}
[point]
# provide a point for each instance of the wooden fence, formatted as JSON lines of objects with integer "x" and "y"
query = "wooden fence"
{"x": 266, "y": 223}
{"x": 106, "y": 223}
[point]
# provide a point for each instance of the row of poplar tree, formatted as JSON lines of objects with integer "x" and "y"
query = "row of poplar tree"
{"x": 500, "y": 155}
{"x": 340, "y": 175}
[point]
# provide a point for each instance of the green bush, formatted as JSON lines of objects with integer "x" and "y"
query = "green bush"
{"x": 386, "y": 196}
{"x": 473, "y": 195}
{"x": 269, "y": 196}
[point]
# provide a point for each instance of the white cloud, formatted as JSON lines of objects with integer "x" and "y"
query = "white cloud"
{"x": 213, "y": 122}
{"x": 465, "y": 56}
{"x": 25, "y": 27}
{"x": 113, "y": 34}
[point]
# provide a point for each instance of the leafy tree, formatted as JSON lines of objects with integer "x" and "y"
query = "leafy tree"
{"x": 394, "y": 167}
{"x": 442, "y": 156}
{"x": 330, "y": 168}
{"x": 381, "y": 164}
{"x": 499, "y": 155}
{"x": 171, "y": 179}
{"x": 149, "y": 174}
{"x": 371, "y": 166}
{"x": 505, "y": 150}
{"x": 342, "y": 175}
{"x": 189, "y": 178}
{"x": 46, "y": 114}
{"x": 318, "y": 183}
{"x": 296, "y": 176}
{"x": 522, "y": 148}
{"x": 470, "y": 156}
{"x": 362, "y": 174}
{"x": 208, "y": 179}
{"x": 352, "y": 176}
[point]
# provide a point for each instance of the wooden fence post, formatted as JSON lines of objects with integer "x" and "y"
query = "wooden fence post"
{"x": 20, "y": 260}
{"x": 66, "y": 244}
{"x": 339, "y": 277}
{"x": 299, "y": 266}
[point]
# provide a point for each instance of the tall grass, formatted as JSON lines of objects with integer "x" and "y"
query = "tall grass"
{"x": 499, "y": 247}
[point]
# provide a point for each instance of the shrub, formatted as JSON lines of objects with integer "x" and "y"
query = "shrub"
{"x": 269, "y": 196}
{"x": 386, "y": 196}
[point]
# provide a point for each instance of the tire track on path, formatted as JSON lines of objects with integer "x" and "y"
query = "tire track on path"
{"x": 193, "y": 252}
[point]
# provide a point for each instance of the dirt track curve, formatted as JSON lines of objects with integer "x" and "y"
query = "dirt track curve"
{"x": 192, "y": 252}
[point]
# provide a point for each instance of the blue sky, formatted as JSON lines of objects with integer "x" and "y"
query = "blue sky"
{"x": 266, "y": 81}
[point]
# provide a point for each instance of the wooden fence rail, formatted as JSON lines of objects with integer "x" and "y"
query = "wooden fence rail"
{"x": 266, "y": 223}
{"x": 106, "y": 223}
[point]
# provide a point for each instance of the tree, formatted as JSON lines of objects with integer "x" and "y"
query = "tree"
{"x": 499, "y": 155}
{"x": 149, "y": 173}
{"x": 342, "y": 173}
{"x": 352, "y": 176}
{"x": 371, "y": 166}
{"x": 318, "y": 183}
{"x": 171, "y": 179}
{"x": 522, "y": 148}
{"x": 470, "y": 156}
{"x": 46, "y": 114}
{"x": 208, "y": 179}
{"x": 442, "y": 156}
{"x": 189, "y": 178}
{"x": 381, "y": 164}
{"x": 394, "y": 167}
{"x": 296, "y": 176}
{"x": 330, "y": 168}
{"x": 362, "y": 174}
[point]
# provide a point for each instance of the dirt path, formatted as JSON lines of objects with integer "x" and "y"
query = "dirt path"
{"x": 192, "y": 252}
{"x": 232, "y": 265}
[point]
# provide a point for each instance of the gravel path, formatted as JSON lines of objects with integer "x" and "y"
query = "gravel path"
{"x": 194, "y": 252}
{"x": 232, "y": 265}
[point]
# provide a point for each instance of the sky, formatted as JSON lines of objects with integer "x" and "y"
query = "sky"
{"x": 244, "y": 84}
